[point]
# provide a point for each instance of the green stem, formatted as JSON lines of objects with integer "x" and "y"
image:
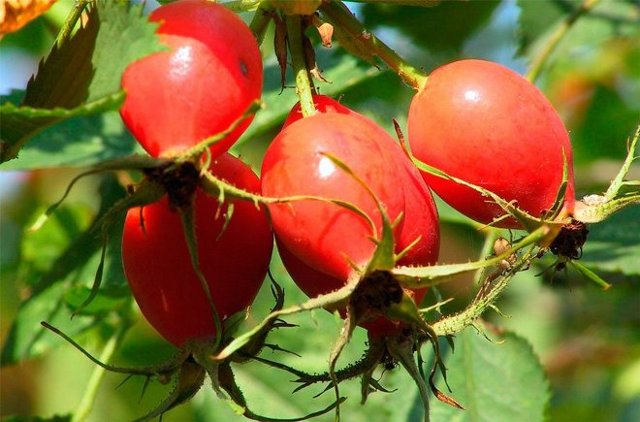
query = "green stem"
{"x": 555, "y": 38}
{"x": 303, "y": 83}
{"x": 338, "y": 14}
{"x": 70, "y": 23}
{"x": 91, "y": 390}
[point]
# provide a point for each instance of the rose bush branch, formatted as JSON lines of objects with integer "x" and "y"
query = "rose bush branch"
{"x": 338, "y": 15}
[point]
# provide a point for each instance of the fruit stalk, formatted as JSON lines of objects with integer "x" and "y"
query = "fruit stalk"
{"x": 341, "y": 17}
{"x": 303, "y": 83}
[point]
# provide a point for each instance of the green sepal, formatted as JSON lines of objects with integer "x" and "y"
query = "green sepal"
{"x": 383, "y": 257}
{"x": 529, "y": 222}
{"x": 223, "y": 190}
{"x": 188, "y": 382}
{"x": 187, "y": 215}
{"x": 420, "y": 277}
{"x": 586, "y": 272}
{"x": 333, "y": 300}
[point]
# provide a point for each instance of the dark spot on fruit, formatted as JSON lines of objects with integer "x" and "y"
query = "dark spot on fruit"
{"x": 244, "y": 68}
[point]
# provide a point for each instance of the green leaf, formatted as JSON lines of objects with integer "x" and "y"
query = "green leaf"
{"x": 27, "y": 339}
{"x": 614, "y": 245}
{"x": 63, "y": 77}
{"x": 83, "y": 75}
{"x": 21, "y": 123}
{"x": 15, "y": 96}
{"x": 125, "y": 35}
{"x": 77, "y": 142}
{"x": 494, "y": 381}
{"x": 40, "y": 248}
{"x": 106, "y": 301}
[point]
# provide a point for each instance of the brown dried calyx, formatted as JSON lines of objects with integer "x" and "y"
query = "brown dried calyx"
{"x": 376, "y": 293}
{"x": 569, "y": 242}
{"x": 180, "y": 182}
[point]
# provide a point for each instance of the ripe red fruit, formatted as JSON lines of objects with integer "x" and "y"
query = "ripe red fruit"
{"x": 484, "y": 123}
{"x": 320, "y": 241}
{"x": 234, "y": 261}
{"x": 206, "y": 81}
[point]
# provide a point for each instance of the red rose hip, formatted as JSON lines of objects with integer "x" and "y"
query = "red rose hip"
{"x": 483, "y": 123}
{"x": 234, "y": 258}
{"x": 206, "y": 80}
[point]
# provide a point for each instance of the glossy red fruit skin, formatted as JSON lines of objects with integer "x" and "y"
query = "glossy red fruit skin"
{"x": 317, "y": 240}
{"x": 484, "y": 123}
{"x": 419, "y": 211}
{"x": 206, "y": 81}
{"x": 326, "y": 236}
{"x": 158, "y": 267}
{"x": 322, "y": 103}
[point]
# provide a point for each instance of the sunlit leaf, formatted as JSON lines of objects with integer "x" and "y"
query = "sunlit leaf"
{"x": 494, "y": 380}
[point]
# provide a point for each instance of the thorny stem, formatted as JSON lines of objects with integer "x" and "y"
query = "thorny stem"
{"x": 485, "y": 298}
{"x": 303, "y": 83}
{"x": 91, "y": 390}
{"x": 70, "y": 23}
{"x": 340, "y": 16}
{"x": 555, "y": 38}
